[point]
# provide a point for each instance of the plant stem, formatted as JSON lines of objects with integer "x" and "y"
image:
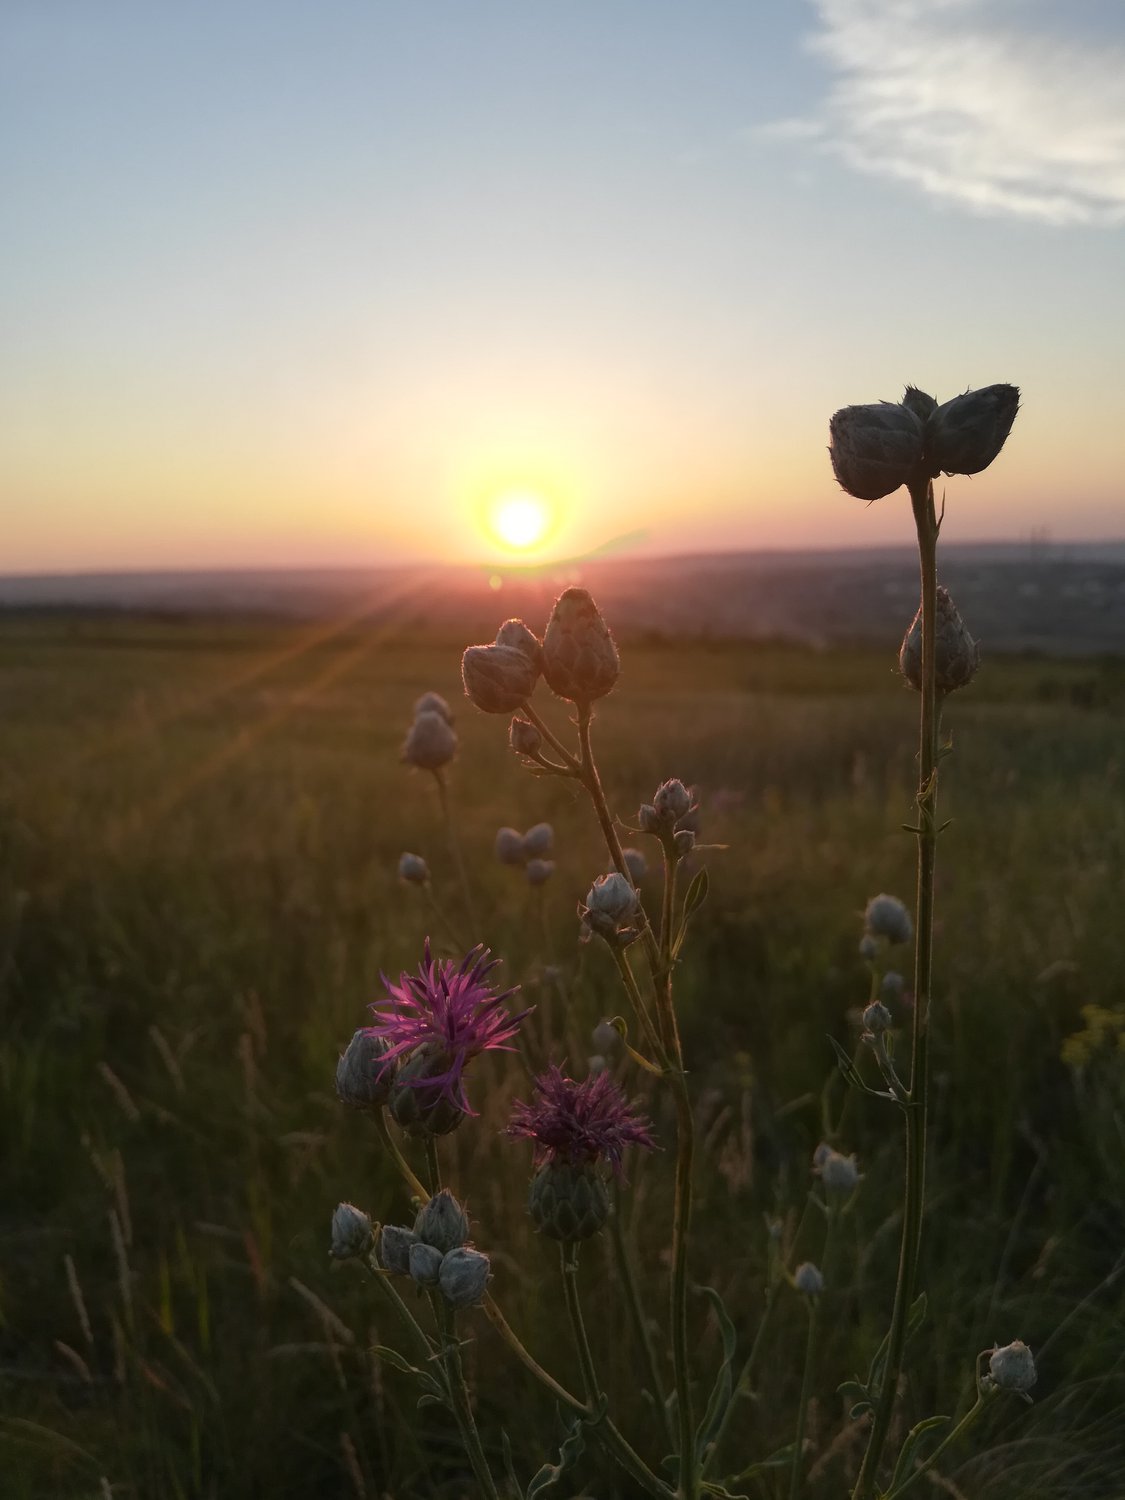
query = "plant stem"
{"x": 743, "y": 1382}
{"x": 462, "y": 1404}
{"x": 803, "y": 1403}
{"x": 962, "y": 1427}
{"x": 400, "y": 1161}
{"x": 555, "y": 743}
{"x": 624, "y": 1263}
{"x": 922, "y": 499}
{"x": 433, "y": 1167}
{"x": 568, "y": 1265}
{"x": 455, "y": 848}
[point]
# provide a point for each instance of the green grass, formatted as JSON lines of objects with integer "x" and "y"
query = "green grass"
{"x": 199, "y": 827}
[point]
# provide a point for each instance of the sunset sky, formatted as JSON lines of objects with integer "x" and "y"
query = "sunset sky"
{"x": 316, "y": 283}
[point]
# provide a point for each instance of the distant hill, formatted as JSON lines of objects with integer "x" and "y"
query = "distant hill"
{"x": 1033, "y": 597}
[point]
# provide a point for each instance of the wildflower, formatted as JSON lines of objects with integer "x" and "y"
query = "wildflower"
{"x": 808, "y": 1279}
{"x": 579, "y": 1123}
{"x": 875, "y": 449}
{"x": 539, "y": 871}
{"x": 964, "y": 435}
{"x": 1012, "y": 1368}
{"x": 501, "y": 677}
{"x": 351, "y": 1232}
{"x": 433, "y": 703}
{"x": 413, "y": 869}
{"x": 463, "y": 1277}
{"x": 509, "y": 846}
{"x": 436, "y": 1021}
{"x": 956, "y": 654}
{"x": 539, "y": 841}
{"x": 524, "y": 738}
{"x": 886, "y": 917}
{"x": 360, "y": 1079}
{"x": 580, "y": 660}
{"x": 425, "y": 1264}
{"x": 430, "y": 743}
{"x": 838, "y": 1173}
{"x": 442, "y": 1223}
{"x": 394, "y": 1248}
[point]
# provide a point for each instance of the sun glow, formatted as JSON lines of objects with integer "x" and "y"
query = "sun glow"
{"x": 519, "y": 519}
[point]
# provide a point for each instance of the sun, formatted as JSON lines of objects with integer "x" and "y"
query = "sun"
{"x": 519, "y": 519}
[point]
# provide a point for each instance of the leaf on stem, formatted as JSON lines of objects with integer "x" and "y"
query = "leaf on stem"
{"x": 722, "y": 1392}
{"x": 909, "y": 1448}
{"x": 573, "y": 1446}
{"x": 852, "y": 1075}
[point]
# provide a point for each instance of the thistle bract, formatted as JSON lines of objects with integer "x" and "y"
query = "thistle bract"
{"x": 1012, "y": 1368}
{"x": 361, "y": 1078}
{"x": 463, "y": 1277}
{"x": 442, "y": 1222}
{"x": 875, "y": 449}
{"x": 956, "y": 654}
{"x": 580, "y": 659}
{"x": 568, "y": 1203}
{"x": 430, "y": 742}
{"x": 579, "y": 1123}
{"x": 964, "y": 435}
{"x": 418, "y": 1102}
{"x": 351, "y": 1232}
{"x": 516, "y": 634}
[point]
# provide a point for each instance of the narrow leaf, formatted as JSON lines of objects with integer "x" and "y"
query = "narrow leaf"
{"x": 574, "y": 1445}
{"x": 905, "y": 1463}
{"x": 722, "y": 1391}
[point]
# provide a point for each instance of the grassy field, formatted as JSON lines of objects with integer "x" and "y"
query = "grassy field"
{"x": 199, "y": 829}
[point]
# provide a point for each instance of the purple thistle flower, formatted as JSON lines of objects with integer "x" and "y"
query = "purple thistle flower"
{"x": 579, "y": 1123}
{"x": 450, "y": 1011}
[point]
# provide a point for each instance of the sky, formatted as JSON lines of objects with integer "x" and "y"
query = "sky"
{"x": 326, "y": 283}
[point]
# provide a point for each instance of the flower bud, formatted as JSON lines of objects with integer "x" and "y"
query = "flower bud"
{"x": 877, "y": 1019}
{"x": 636, "y": 864}
{"x": 807, "y": 1279}
{"x": 964, "y": 435}
{"x": 1012, "y": 1368}
{"x": 875, "y": 449}
{"x": 672, "y": 801}
{"x": 509, "y": 846}
{"x": 516, "y": 634}
{"x": 892, "y": 984}
{"x": 567, "y": 1203}
{"x": 838, "y": 1173}
{"x": 413, "y": 869}
{"x": 419, "y": 1107}
{"x": 351, "y": 1232}
{"x": 442, "y": 1222}
{"x": 539, "y": 871}
{"x": 580, "y": 660}
{"x": 956, "y": 654}
{"x": 361, "y": 1080}
{"x": 868, "y": 948}
{"x": 463, "y": 1277}
{"x": 433, "y": 703}
{"x": 606, "y": 1037}
{"x": 394, "y": 1248}
{"x": 919, "y": 403}
{"x": 886, "y": 917}
{"x": 498, "y": 679}
{"x": 430, "y": 742}
{"x": 612, "y": 896}
{"x": 596, "y": 1064}
{"x": 648, "y": 820}
{"x": 425, "y": 1264}
{"x": 524, "y": 738}
{"x": 683, "y": 842}
{"x": 539, "y": 841}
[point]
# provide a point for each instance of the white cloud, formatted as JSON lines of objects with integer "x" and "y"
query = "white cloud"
{"x": 974, "y": 103}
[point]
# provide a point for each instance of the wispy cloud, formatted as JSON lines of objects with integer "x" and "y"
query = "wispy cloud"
{"x": 976, "y": 103}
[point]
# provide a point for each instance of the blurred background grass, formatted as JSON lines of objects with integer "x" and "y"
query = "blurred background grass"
{"x": 199, "y": 829}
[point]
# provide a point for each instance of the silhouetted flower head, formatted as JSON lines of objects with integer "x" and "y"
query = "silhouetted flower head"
{"x": 579, "y": 1123}
{"x": 449, "y": 1011}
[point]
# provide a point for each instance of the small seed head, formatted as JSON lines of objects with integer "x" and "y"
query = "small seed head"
{"x": 683, "y": 842}
{"x": 886, "y": 917}
{"x": 463, "y": 1277}
{"x": 648, "y": 820}
{"x": 425, "y": 1264}
{"x": 807, "y": 1279}
{"x": 524, "y": 738}
{"x": 360, "y": 1080}
{"x": 891, "y": 985}
{"x": 956, "y": 654}
{"x": 868, "y": 948}
{"x": 1012, "y": 1368}
{"x": 351, "y": 1232}
{"x": 430, "y": 742}
{"x": 442, "y": 1222}
{"x": 394, "y": 1248}
{"x": 580, "y": 660}
{"x": 413, "y": 869}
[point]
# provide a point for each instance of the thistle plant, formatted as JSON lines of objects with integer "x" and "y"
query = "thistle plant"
{"x": 411, "y": 1068}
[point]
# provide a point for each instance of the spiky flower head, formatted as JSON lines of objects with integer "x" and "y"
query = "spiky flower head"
{"x": 449, "y": 1014}
{"x": 956, "y": 654}
{"x": 361, "y": 1080}
{"x": 580, "y": 660}
{"x": 886, "y": 917}
{"x": 413, "y": 869}
{"x": 433, "y": 703}
{"x": 964, "y": 435}
{"x": 1012, "y": 1368}
{"x": 430, "y": 742}
{"x": 351, "y": 1232}
{"x": 875, "y": 449}
{"x": 579, "y": 1123}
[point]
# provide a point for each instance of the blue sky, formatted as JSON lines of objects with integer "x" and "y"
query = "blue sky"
{"x": 312, "y": 283}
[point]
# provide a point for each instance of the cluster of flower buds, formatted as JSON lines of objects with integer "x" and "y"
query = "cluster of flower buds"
{"x": 879, "y": 447}
{"x": 837, "y": 1172}
{"x": 501, "y": 677}
{"x": 436, "y": 1252}
{"x": 609, "y": 910}
{"x": 431, "y": 741}
{"x": 672, "y": 816}
{"x": 885, "y": 921}
{"x": 413, "y": 869}
{"x": 956, "y": 654}
{"x": 528, "y": 851}
{"x": 352, "y": 1234}
{"x": 362, "y": 1078}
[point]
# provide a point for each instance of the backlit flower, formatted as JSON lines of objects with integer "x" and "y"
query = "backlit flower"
{"x": 579, "y": 1123}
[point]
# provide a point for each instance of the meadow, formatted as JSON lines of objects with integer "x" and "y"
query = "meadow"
{"x": 200, "y": 824}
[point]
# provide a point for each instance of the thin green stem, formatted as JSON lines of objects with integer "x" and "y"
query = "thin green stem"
{"x": 803, "y": 1403}
{"x": 462, "y": 1402}
{"x": 568, "y": 1266}
{"x": 455, "y": 848}
{"x": 922, "y": 498}
{"x": 627, "y": 1276}
{"x": 417, "y": 1333}
{"x": 632, "y": 989}
{"x": 400, "y": 1161}
{"x": 742, "y": 1384}
{"x": 552, "y": 739}
{"x": 983, "y": 1398}
{"x": 433, "y": 1166}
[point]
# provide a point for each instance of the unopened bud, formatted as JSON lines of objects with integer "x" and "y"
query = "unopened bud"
{"x": 886, "y": 917}
{"x": 433, "y": 703}
{"x": 394, "y": 1248}
{"x": 580, "y": 660}
{"x": 539, "y": 871}
{"x": 351, "y": 1232}
{"x": 425, "y": 1264}
{"x": 648, "y": 819}
{"x": 413, "y": 869}
{"x": 442, "y": 1222}
{"x": 868, "y": 948}
{"x": 672, "y": 802}
{"x": 964, "y": 435}
{"x": 516, "y": 634}
{"x": 875, "y": 449}
{"x": 362, "y": 1080}
{"x": 636, "y": 864}
{"x": 539, "y": 841}
{"x": 683, "y": 842}
{"x": 606, "y": 1037}
{"x": 567, "y": 1203}
{"x": 430, "y": 742}
{"x": 509, "y": 846}
{"x": 498, "y": 679}
{"x": 1012, "y": 1368}
{"x": 892, "y": 984}
{"x": 877, "y": 1018}
{"x": 919, "y": 403}
{"x": 807, "y": 1279}
{"x": 956, "y": 654}
{"x": 612, "y": 896}
{"x": 838, "y": 1173}
{"x": 463, "y": 1277}
{"x": 524, "y": 738}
